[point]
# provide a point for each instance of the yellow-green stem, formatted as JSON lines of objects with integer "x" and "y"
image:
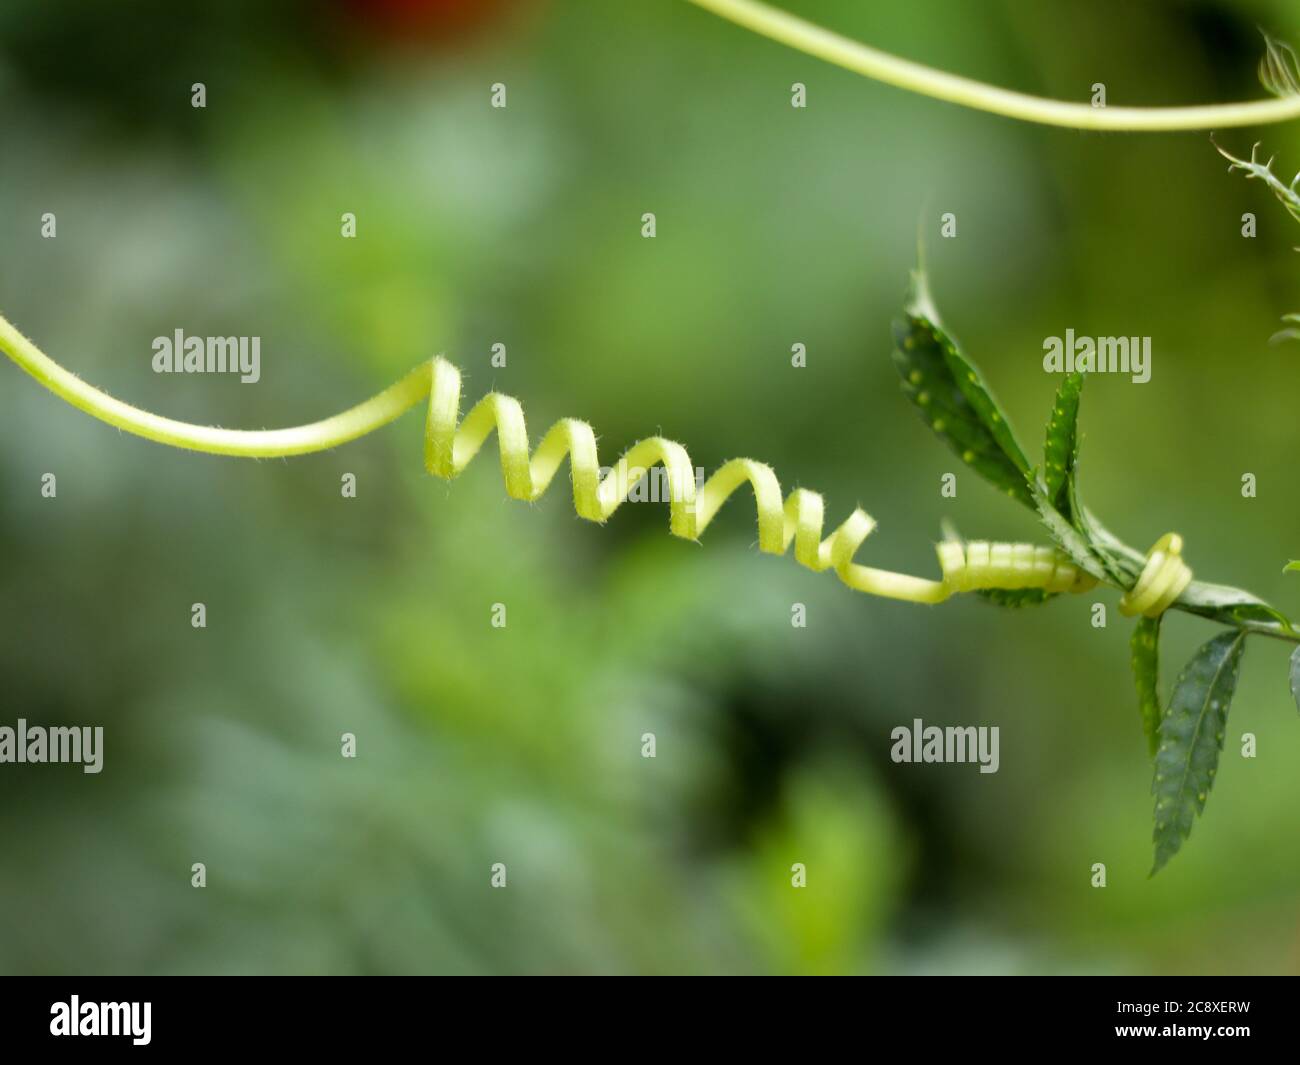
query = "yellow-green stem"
{"x": 862, "y": 59}
{"x": 451, "y": 442}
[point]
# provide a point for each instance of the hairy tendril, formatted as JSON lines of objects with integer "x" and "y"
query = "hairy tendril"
{"x": 816, "y": 41}
{"x": 452, "y": 442}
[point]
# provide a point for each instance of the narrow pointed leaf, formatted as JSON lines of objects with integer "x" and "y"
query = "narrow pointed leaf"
{"x": 1229, "y": 605}
{"x": 953, "y": 399}
{"x": 1122, "y": 561}
{"x": 1067, "y": 537}
{"x": 1145, "y": 645}
{"x": 1061, "y": 483}
{"x": 1191, "y": 738}
{"x": 1061, "y": 446}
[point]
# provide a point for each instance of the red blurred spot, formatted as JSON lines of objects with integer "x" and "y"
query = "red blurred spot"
{"x": 435, "y": 19}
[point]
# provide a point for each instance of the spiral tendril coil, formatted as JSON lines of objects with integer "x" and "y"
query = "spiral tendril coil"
{"x": 1163, "y": 579}
{"x": 451, "y": 443}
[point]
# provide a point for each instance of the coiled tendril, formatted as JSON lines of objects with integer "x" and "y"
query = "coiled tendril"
{"x": 1164, "y": 577}
{"x": 452, "y": 442}
{"x": 450, "y": 445}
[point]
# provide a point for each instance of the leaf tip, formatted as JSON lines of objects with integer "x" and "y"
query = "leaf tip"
{"x": 919, "y": 301}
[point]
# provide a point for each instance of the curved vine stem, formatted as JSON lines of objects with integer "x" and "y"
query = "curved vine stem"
{"x": 862, "y": 59}
{"x": 451, "y": 442}
{"x": 364, "y": 418}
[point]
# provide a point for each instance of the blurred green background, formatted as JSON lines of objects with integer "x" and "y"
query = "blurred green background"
{"x": 522, "y": 745}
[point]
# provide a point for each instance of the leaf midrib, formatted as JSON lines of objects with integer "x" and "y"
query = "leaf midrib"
{"x": 1200, "y": 720}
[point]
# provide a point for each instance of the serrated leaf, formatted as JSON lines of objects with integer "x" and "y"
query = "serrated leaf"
{"x": 1061, "y": 446}
{"x": 1061, "y": 487}
{"x": 1191, "y": 737}
{"x": 1015, "y": 597}
{"x": 1067, "y": 537}
{"x": 1122, "y": 562}
{"x": 1295, "y": 677}
{"x": 1145, "y": 645}
{"x": 953, "y": 399}
{"x": 1229, "y": 605}
{"x": 1061, "y": 484}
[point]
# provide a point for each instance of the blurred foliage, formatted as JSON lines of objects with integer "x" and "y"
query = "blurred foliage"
{"x": 522, "y": 744}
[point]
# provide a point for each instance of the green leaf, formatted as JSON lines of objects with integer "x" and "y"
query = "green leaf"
{"x": 1145, "y": 645}
{"x": 1191, "y": 737}
{"x": 1061, "y": 447}
{"x": 1067, "y": 537}
{"x": 1061, "y": 486}
{"x": 952, "y": 397}
{"x": 1295, "y": 677}
{"x": 1229, "y": 605}
{"x": 1015, "y": 597}
{"x": 1294, "y": 564}
{"x": 1122, "y": 562}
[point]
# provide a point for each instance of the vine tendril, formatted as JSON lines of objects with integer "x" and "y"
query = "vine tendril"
{"x": 1163, "y": 579}
{"x": 862, "y": 59}
{"x": 452, "y": 442}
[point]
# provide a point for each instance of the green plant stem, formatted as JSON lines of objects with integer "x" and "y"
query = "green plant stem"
{"x": 1272, "y": 629}
{"x": 1261, "y": 628}
{"x": 271, "y": 443}
{"x": 862, "y": 59}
